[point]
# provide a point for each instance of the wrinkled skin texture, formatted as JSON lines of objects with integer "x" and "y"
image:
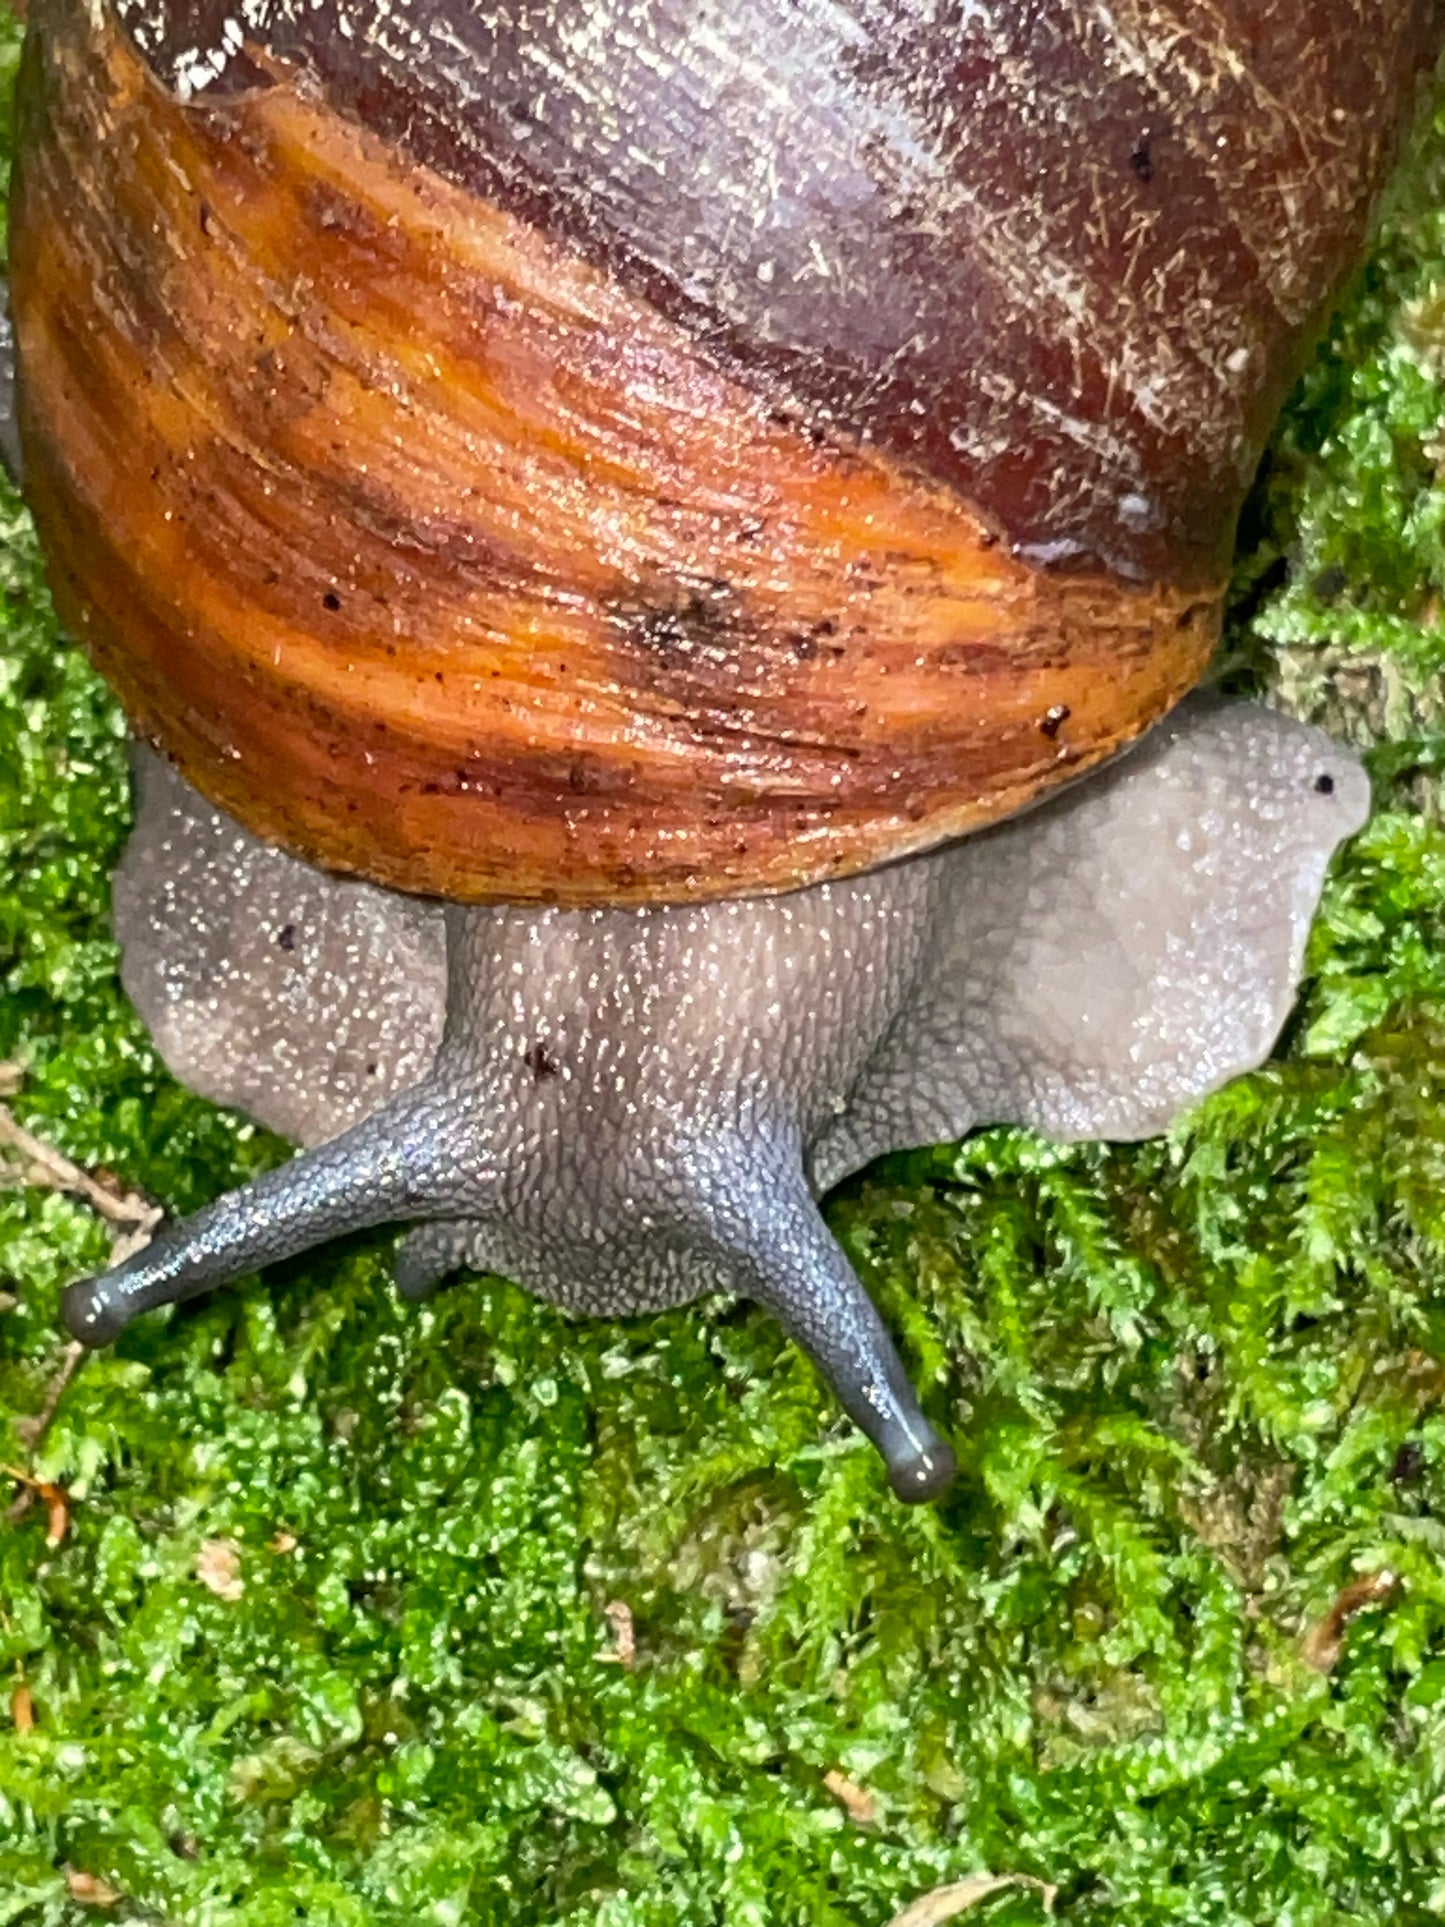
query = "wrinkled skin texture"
{"x": 626, "y": 1108}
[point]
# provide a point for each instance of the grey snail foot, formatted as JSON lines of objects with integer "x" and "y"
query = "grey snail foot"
{"x": 624, "y": 1109}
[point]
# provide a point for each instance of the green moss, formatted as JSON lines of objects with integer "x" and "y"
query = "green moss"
{"x": 1196, "y": 1387}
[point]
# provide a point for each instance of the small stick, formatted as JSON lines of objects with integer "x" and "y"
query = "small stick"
{"x": 127, "y": 1210}
{"x": 1325, "y": 1640}
{"x": 619, "y": 1616}
{"x": 946, "y": 1903}
{"x": 32, "y": 1430}
{"x": 856, "y": 1801}
{"x": 57, "y": 1503}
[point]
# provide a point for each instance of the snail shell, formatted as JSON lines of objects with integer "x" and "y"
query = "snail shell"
{"x": 649, "y": 453}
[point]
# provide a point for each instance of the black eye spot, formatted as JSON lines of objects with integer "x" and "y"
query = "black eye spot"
{"x": 286, "y": 936}
{"x": 1142, "y": 161}
{"x": 331, "y": 601}
{"x": 1324, "y": 784}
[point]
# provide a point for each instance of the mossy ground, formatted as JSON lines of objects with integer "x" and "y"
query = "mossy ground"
{"x": 1196, "y": 1387}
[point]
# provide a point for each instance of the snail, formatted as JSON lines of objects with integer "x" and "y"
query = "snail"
{"x": 629, "y": 527}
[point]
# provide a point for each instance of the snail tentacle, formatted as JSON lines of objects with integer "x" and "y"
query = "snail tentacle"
{"x": 397, "y": 1164}
{"x": 791, "y": 1264}
{"x": 751, "y": 1223}
{"x": 429, "y": 1254}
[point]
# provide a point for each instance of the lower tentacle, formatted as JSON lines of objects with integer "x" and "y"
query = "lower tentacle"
{"x": 429, "y": 1254}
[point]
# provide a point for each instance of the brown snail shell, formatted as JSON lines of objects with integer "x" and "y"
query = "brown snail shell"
{"x": 511, "y": 457}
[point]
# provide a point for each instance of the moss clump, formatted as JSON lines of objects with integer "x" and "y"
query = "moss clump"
{"x": 334, "y": 1633}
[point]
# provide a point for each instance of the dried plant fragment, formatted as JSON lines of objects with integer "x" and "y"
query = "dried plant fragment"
{"x": 619, "y": 1617}
{"x": 89, "y": 1889}
{"x": 55, "y": 1497}
{"x": 945, "y": 1903}
{"x": 856, "y": 1801}
{"x": 1325, "y": 1640}
{"x": 218, "y": 1567}
{"x": 43, "y": 1165}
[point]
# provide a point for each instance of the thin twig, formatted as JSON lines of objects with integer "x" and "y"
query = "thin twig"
{"x": 132, "y": 1220}
{"x": 1325, "y": 1640}
{"x": 57, "y": 1502}
{"x": 946, "y": 1903}
{"x": 127, "y": 1210}
{"x": 32, "y": 1430}
{"x": 856, "y": 1801}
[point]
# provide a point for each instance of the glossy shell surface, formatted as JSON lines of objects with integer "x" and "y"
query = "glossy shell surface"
{"x": 530, "y": 453}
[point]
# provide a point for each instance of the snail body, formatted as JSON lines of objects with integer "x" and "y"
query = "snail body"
{"x": 623, "y": 1108}
{"x": 630, "y": 465}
